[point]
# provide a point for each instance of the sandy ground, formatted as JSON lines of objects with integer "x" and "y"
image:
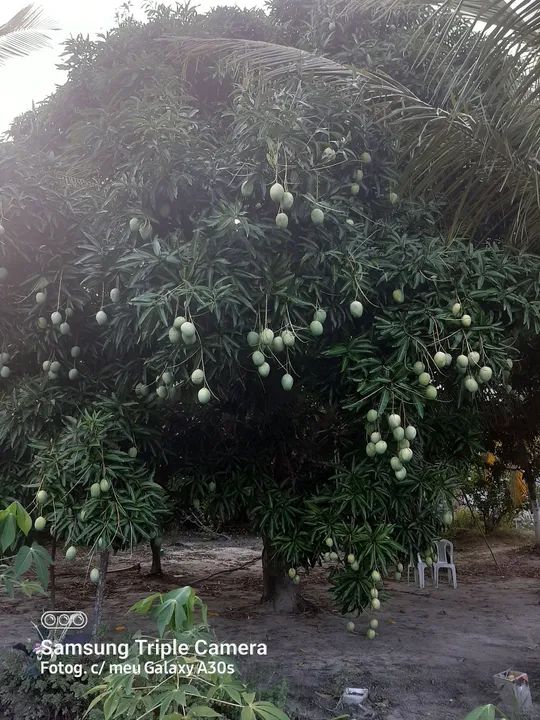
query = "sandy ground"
{"x": 434, "y": 657}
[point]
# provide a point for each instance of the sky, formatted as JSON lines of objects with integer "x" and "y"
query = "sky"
{"x": 31, "y": 79}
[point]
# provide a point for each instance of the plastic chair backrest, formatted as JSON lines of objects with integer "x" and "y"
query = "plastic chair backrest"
{"x": 445, "y": 551}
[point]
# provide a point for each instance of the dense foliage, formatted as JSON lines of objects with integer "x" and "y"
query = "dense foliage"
{"x": 207, "y": 682}
{"x": 212, "y": 278}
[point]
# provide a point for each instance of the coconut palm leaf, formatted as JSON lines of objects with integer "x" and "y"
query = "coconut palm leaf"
{"x": 275, "y": 60}
{"x": 26, "y": 31}
{"x": 479, "y": 139}
{"x": 474, "y": 135}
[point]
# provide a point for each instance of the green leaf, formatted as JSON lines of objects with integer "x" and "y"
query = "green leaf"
{"x": 23, "y": 561}
{"x": 9, "y": 529}
{"x": 203, "y": 711}
{"x": 268, "y": 711}
{"x": 144, "y": 606}
{"x": 486, "y": 712}
{"x": 24, "y": 521}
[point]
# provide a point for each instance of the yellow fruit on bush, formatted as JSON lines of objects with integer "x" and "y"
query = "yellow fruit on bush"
{"x": 204, "y": 396}
{"x": 41, "y": 497}
{"x": 431, "y": 392}
{"x": 276, "y": 192}
{"x": 405, "y": 455}
{"x": 287, "y": 381}
{"x": 174, "y": 335}
{"x": 197, "y": 377}
{"x": 277, "y": 344}
{"x": 71, "y": 552}
{"x": 439, "y": 359}
{"x": 253, "y": 338}
{"x": 288, "y": 338}
{"x": 267, "y": 336}
{"x": 287, "y": 201}
{"x": 188, "y": 329}
{"x": 485, "y": 373}
{"x": 356, "y": 308}
{"x": 282, "y": 220}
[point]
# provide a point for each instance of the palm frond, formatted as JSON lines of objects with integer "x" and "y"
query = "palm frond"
{"x": 480, "y": 146}
{"x": 26, "y": 31}
{"x": 508, "y": 22}
{"x": 273, "y": 59}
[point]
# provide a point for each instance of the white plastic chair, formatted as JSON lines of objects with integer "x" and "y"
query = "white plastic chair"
{"x": 445, "y": 561}
{"x": 419, "y": 569}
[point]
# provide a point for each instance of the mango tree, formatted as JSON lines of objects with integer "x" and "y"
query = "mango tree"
{"x": 234, "y": 263}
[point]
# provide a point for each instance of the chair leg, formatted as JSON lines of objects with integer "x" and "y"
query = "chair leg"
{"x": 454, "y": 576}
{"x": 435, "y": 576}
{"x": 422, "y": 579}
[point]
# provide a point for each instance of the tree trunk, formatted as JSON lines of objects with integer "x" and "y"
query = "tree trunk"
{"x": 155, "y": 545}
{"x": 100, "y": 591}
{"x": 52, "y": 576}
{"x": 278, "y": 588}
{"x": 535, "y": 504}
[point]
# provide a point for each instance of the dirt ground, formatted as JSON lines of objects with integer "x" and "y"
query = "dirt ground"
{"x": 434, "y": 657}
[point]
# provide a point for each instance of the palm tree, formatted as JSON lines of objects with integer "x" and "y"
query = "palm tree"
{"x": 474, "y": 135}
{"x": 26, "y": 31}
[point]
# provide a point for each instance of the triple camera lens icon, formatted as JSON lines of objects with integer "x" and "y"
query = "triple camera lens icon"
{"x": 64, "y": 619}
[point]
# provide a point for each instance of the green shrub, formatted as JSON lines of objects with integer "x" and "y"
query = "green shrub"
{"x": 212, "y": 690}
{"x": 27, "y": 693}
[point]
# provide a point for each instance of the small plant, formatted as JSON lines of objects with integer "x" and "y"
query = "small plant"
{"x": 485, "y": 712}
{"x": 27, "y": 692}
{"x": 200, "y": 684}
{"x": 16, "y": 523}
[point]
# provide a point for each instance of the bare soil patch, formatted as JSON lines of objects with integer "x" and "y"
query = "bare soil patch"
{"x": 434, "y": 657}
